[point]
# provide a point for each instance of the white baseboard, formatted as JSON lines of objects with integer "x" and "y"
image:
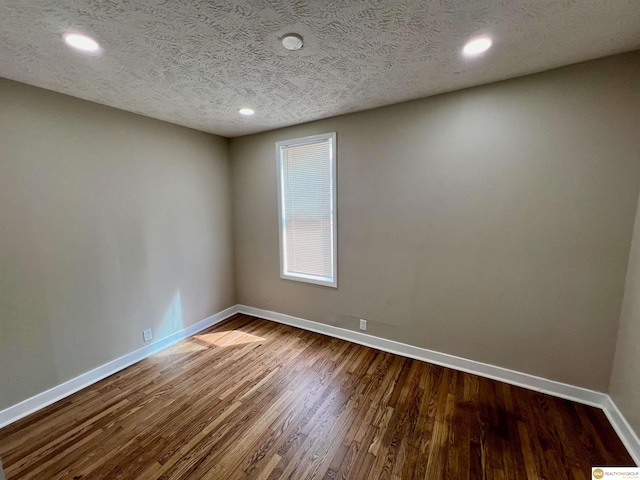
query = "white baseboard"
{"x": 41, "y": 400}
{"x": 539, "y": 384}
{"x": 525, "y": 380}
{"x": 623, "y": 429}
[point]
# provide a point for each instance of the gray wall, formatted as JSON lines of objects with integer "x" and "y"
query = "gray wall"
{"x": 625, "y": 378}
{"x": 492, "y": 223}
{"x": 110, "y": 223}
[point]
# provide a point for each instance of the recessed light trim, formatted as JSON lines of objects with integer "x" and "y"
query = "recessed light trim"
{"x": 477, "y": 46}
{"x": 246, "y": 111}
{"x": 81, "y": 42}
{"x": 292, "y": 41}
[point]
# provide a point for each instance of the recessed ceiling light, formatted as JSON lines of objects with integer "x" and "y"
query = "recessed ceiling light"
{"x": 81, "y": 42}
{"x": 292, "y": 41}
{"x": 246, "y": 111}
{"x": 477, "y": 46}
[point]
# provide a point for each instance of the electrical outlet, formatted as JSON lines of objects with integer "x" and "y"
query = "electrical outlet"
{"x": 363, "y": 324}
{"x": 147, "y": 335}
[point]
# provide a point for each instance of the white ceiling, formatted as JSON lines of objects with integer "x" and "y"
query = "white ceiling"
{"x": 195, "y": 62}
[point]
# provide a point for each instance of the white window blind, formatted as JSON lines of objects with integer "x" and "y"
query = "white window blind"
{"x": 307, "y": 197}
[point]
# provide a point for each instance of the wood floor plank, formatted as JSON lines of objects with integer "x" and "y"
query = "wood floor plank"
{"x": 252, "y": 399}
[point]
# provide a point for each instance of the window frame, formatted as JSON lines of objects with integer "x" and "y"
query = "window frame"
{"x": 301, "y": 277}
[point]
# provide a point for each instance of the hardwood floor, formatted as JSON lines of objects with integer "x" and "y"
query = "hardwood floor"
{"x": 251, "y": 399}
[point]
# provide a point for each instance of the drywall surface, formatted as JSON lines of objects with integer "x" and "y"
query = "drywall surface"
{"x": 492, "y": 223}
{"x": 110, "y": 223}
{"x": 625, "y": 378}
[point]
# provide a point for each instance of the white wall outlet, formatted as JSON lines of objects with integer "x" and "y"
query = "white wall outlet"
{"x": 147, "y": 335}
{"x": 363, "y": 324}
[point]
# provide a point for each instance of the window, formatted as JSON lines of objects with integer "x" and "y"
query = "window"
{"x": 307, "y": 209}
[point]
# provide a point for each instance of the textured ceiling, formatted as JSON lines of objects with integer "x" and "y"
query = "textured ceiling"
{"x": 195, "y": 62}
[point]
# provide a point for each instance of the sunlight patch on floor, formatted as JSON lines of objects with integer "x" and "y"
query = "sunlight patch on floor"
{"x": 183, "y": 347}
{"x": 229, "y": 338}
